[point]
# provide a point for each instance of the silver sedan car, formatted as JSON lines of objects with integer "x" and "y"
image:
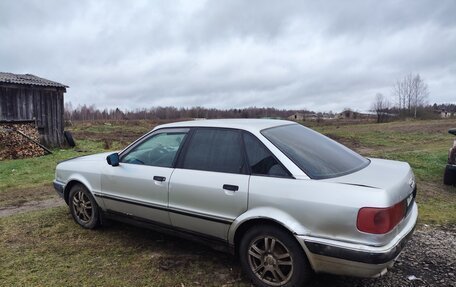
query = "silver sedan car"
{"x": 283, "y": 198}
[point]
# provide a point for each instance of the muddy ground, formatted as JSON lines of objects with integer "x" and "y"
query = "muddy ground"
{"x": 31, "y": 205}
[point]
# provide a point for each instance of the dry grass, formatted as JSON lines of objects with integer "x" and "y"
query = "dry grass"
{"x": 423, "y": 144}
{"x": 17, "y": 197}
{"x": 46, "y": 247}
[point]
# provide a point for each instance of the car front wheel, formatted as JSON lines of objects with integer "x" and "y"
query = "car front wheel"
{"x": 83, "y": 207}
{"x": 272, "y": 257}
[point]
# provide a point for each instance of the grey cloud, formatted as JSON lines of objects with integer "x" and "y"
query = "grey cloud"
{"x": 321, "y": 55}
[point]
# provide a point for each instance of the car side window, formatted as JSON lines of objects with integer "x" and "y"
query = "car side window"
{"x": 260, "y": 159}
{"x": 218, "y": 150}
{"x": 158, "y": 150}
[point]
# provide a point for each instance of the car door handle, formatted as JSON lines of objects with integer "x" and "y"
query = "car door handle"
{"x": 231, "y": 187}
{"x": 159, "y": 178}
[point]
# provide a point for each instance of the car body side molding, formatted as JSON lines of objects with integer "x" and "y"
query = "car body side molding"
{"x": 213, "y": 242}
{"x": 173, "y": 210}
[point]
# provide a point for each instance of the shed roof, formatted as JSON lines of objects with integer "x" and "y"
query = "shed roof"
{"x": 28, "y": 79}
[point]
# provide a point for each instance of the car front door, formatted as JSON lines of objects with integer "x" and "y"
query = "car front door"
{"x": 138, "y": 187}
{"x": 209, "y": 186}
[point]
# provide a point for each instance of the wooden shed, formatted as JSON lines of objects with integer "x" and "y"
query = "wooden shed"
{"x": 28, "y": 98}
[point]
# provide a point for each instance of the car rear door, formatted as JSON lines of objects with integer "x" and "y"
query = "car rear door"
{"x": 138, "y": 187}
{"x": 209, "y": 186}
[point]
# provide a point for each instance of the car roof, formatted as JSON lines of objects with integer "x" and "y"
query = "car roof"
{"x": 252, "y": 125}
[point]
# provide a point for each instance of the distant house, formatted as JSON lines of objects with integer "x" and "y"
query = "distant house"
{"x": 297, "y": 117}
{"x": 445, "y": 114}
{"x": 37, "y": 102}
{"x": 349, "y": 114}
{"x": 303, "y": 116}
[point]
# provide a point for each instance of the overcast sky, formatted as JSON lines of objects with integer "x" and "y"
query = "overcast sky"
{"x": 232, "y": 54}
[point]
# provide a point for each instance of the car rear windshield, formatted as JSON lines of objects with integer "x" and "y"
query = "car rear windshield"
{"x": 317, "y": 155}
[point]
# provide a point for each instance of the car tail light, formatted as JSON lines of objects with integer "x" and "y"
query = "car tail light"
{"x": 380, "y": 220}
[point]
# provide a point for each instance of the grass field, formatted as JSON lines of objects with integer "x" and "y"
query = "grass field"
{"x": 423, "y": 144}
{"x": 46, "y": 248}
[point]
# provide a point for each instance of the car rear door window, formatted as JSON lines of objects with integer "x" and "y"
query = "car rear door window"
{"x": 260, "y": 159}
{"x": 315, "y": 154}
{"x": 216, "y": 150}
{"x": 158, "y": 150}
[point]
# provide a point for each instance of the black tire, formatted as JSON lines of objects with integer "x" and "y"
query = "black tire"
{"x": 285, "y": 257}
{"x": 449, "y": 177}
{"x": 83, "y": 207}
{"x": 69, "y": 138}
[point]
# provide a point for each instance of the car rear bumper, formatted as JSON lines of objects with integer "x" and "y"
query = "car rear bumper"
{"x": 331, "y": 256}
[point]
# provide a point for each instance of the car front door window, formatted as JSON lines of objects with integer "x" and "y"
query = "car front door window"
{"x": 158, "y": 150}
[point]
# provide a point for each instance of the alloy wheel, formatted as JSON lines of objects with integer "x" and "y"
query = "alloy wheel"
{"x": 270, "y": 260}
{"x": 82, "y": 207}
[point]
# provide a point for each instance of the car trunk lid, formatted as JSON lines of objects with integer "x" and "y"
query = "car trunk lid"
{"x": 395, "y": 177}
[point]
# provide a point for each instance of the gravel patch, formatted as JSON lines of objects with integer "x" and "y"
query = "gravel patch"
{"x": 429, "y": 259}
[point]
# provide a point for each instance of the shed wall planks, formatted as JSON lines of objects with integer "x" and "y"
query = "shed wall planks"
{"x": 44, "y": 106}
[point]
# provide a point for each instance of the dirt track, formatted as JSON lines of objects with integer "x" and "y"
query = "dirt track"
{"x": 31, "y": 205}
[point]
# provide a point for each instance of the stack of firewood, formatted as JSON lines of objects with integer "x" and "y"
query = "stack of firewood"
{"x": 14, "y": 145}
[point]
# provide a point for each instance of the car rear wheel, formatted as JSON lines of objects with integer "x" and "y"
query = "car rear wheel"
{"x": 270, "y": 256}
{"x": 83, "y": 207}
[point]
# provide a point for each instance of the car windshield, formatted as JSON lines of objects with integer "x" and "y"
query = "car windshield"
{"x": 317, "y": 155}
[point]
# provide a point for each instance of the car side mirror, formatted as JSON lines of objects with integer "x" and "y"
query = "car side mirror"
{"x": 113, "y": 159}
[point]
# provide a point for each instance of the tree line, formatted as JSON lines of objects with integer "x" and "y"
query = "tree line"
{"x": 409, "y": 99}
{"x": 91, "y": 112}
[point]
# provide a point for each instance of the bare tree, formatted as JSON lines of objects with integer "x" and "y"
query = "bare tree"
{"x": 381, "y": 106}
{"x": 68, "y": 111}
{"x": 411, "y": 92}
{"x": 420, "y": 92}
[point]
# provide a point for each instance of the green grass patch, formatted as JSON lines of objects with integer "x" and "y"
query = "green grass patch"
{"x": 32, "y": 172}
{"x": 436, "y": 210}
{"x": 427, "y": 165}
{"x": 47, "y": 248}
